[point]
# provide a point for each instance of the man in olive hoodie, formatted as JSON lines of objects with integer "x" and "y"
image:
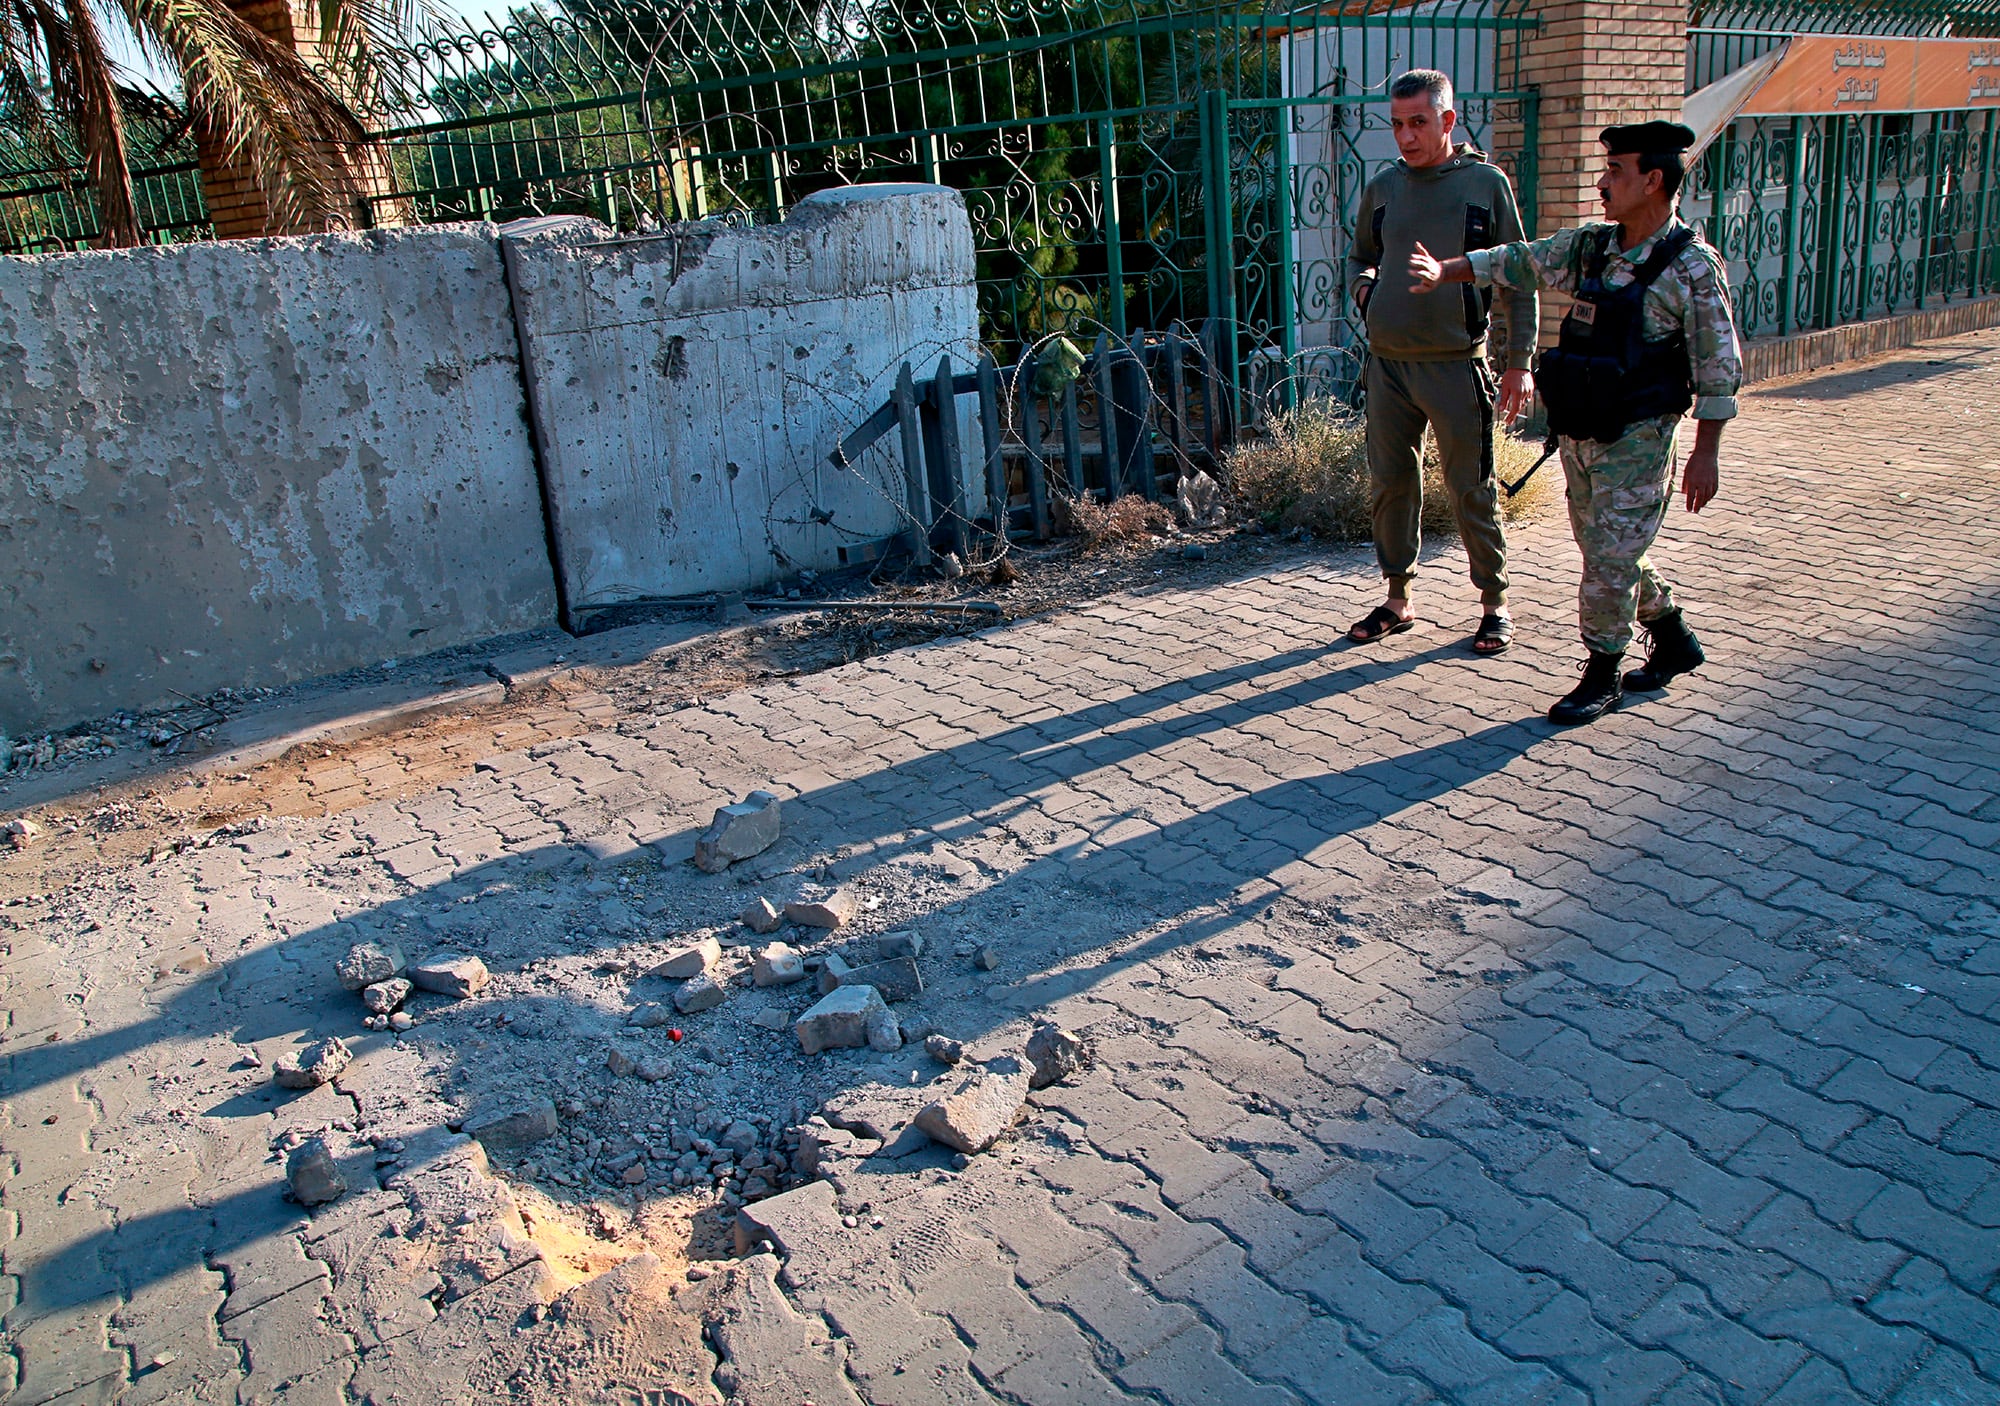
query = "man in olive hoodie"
{"x": 1427, "y": 358}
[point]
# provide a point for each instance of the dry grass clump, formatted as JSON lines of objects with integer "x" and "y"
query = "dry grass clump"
{"x": 1312, "y": 472}
{"x": 1126, "y": 521}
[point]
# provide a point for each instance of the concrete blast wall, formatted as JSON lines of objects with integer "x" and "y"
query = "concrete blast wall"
{"x": 689, "y": 386}
{"x": 246, "y": 463}
{"x": 252, "y": 462}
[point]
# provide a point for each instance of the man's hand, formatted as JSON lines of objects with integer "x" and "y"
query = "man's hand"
{"x": 1517, "y": 394}
{"x": 1699, "y": 478}
{"x": 1425, "y": 270}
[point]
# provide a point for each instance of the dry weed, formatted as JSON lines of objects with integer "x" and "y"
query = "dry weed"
{"x": 1127, "y": 521}
{"x": 1312, "y": 472}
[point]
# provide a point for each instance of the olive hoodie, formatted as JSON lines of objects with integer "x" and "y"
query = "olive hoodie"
{"x": 1463, "y": 203}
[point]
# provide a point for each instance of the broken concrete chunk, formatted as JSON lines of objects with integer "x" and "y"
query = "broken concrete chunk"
{"x": 698, "y": 993}
{"x": 654, "y": 1070}
{"x": 451, "y": 974}
{"x": 368, "y": 963}
{"x": 897, "y": 979}
{"x": 818, "y": 1143}
{"x": 778, "y": 965}
{"x": 382, "y": 997}
{"x": 899, "y": 944}
{"x": 944, "y": 1049}
{"x": 983, "y": 1106}
{"x": 620, "y": 1063}
{"x": 1054, "y": 1054}
{"x": 986, "y": 958}
{"x": 316, "y": 1064}
{"x": 514, "y": 1124}
{"x": 772, "y": 1019}
{"x": 885, "y": 1035}
{"x": 835, "y": 910}
{"x": 760, "y": 916}
{"x": 20, "y": 832}
{"x": 792, "y": 1222}
{"x": 1199, "y": 499}
{"x": 311, "y": 1174}
{"x": 738, "y": 831}
{"x": 650, "y": 1015}
{"x": 694, "y": 959}
{"x": 831, "y": 970}
{"x": 840, "y": 1020}
{"x": 740, "y": 1138}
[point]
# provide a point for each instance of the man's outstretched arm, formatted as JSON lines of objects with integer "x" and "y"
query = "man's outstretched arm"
{"x": 1427, "y": 272}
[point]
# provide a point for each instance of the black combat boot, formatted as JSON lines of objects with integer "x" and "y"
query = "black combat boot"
{"x": 1596, "y": 695}
{"x": 1673, "y": 651}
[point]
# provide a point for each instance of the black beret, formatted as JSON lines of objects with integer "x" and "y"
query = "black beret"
{"x": 1647, "y": 138}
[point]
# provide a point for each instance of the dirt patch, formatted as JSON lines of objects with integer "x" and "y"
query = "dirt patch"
{"x": 167, "y": 803}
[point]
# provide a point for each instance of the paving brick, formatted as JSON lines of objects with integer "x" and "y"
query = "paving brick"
{"x": 1874, "y": 1357}
{"x": 1685, "y": 1323}
{"x": 1441, "y": 1348}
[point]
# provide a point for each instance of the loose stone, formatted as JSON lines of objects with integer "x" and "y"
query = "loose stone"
{"x": 897, "y": 979}
{"x": 515, "y": 1124}
{"x": 840, "y": 1020}
{"x": 944, "y": 1049}
{"x": 982, "y": 1107}
{"x": 1055, "y": 1054}
{"x": 368, "y": 963}
{"x": 650, "y": 1015}
{"x": 900, "y": 944}
{"x": 382, "y": 997}
{"x": 314, "y": 1065}
{"x": 778, "y": 965}
{"x": 834, "y": 911}
{"x": 694, "y": 959}
{"x": 738, "y": 831}
{"x": 312, "y": 1175}
{"x": 885, "y": 1036}
{"x": 761, "y": 917}
{"x": 986, "y": 958}
{"x": 451, "y": 974}
{"x": 699, "y": 993}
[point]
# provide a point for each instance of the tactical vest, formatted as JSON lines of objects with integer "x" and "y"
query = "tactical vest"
{"x": 1603, "y": 375}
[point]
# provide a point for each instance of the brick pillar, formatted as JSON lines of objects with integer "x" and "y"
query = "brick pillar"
{"x": 236, "y": 204}
{"x": 1597, "y": 63}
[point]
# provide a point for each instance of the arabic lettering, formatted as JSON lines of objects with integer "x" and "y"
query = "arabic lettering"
{"x": 1984, "y": 88}
{"x": 1983, "y": 56}
{"x": 1861, "y": 56}
{"x": 1856, "y": 90}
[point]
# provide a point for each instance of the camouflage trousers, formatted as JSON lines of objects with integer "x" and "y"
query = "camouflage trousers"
{"x": 1618, "y": 496}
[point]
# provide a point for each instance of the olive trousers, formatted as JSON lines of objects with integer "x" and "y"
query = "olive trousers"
{"x": 1455, "y": 398}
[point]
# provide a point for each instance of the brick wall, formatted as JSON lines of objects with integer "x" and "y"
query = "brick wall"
{"x": 237, "y": 205}
{"x": 1596, "y": 64}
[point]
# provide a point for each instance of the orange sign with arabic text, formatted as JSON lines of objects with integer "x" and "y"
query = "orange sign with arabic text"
{"x": 1829, "y": 73}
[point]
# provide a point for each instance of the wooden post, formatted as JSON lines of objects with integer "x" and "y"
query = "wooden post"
{"x": 918, "y": 500}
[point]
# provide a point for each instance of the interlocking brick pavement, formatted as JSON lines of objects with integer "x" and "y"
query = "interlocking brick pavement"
{"x": 1441, "y": 1056}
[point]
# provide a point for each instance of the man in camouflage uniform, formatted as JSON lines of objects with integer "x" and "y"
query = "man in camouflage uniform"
{"x": 1620, "y": 487}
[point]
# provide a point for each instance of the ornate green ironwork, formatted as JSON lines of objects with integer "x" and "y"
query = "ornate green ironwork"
{"x": 46, "y": 209}
{"x": 1826, "y": 220}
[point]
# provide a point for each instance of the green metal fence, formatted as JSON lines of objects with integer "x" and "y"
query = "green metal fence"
{"x": 1827, "y": 220}
{"x": 46, "y": 210}
{"x": 1126, "y": 165}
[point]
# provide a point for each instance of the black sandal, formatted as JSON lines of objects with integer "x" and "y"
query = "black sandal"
{"x": 1379, "y": 622}
{"x": 1495, "y": 633}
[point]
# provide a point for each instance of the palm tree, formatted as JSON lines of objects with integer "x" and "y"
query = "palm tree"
{"x": 253, "y": 96}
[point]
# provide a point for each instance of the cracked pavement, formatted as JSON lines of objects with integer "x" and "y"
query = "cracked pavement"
{"x": 1440, "y": 1056}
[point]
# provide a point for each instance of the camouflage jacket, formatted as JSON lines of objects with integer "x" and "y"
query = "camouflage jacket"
{"x": 1691, "y": 294}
